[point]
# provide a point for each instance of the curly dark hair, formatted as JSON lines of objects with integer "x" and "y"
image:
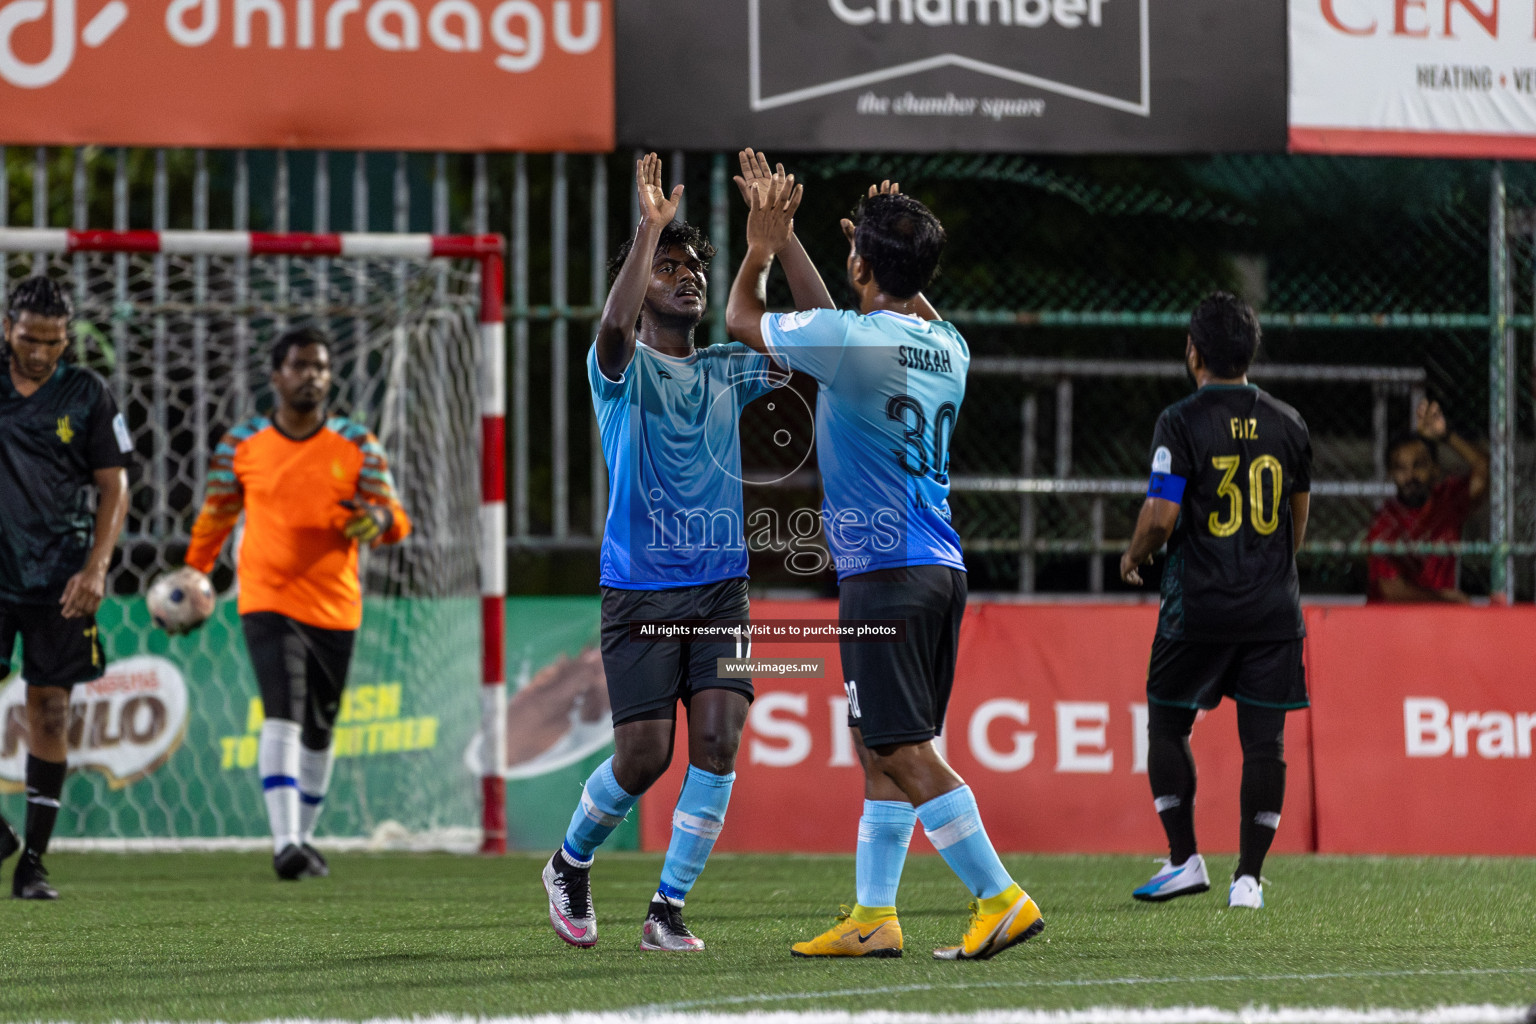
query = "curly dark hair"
{"x": 297, "y": 337}
{"x": 1225, "y": 331}
{"x": 40, "y": 296}
{"x": 900, "y": 240}
{"x": 676, "y": 232}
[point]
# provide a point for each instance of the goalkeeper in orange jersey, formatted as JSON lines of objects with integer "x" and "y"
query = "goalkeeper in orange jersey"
{"x": 312, "y": 489}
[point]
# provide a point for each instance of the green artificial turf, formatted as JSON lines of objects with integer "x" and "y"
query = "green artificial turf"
{"x": 215, "y": 936}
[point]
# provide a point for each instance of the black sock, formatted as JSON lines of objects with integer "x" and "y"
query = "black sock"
{"x": 1263, "y": 794}
{"x": 1262, "y": 732}
{"x": 45, "y": 781}
{"x": 1171, "y": 771}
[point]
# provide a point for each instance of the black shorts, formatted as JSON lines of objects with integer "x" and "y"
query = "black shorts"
{"x": 646, "y": 678}
{"x": 300, "y": 670}
{"x": 1268, "y": 674}
{"x": 55, "y": 651}
{"x": 898, "y": 692}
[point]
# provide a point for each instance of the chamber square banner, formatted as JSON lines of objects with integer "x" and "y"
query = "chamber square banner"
{"x": 1414, "y": 77}
{"x": 961, "y": 75}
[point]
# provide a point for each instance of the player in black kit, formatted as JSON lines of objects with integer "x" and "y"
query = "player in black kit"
{"x": 1231, "y": 476}
{"x": 61, "y": 437}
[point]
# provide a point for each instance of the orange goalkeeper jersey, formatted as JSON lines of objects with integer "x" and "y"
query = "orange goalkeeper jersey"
{"x": 294, "y": 558}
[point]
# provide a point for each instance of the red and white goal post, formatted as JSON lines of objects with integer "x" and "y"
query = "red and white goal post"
{"x": 188, "y": 310}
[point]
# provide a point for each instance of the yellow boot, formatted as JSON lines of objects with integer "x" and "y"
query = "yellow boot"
{"x": 861, "y": 931}
{"x": 998, "y": 922}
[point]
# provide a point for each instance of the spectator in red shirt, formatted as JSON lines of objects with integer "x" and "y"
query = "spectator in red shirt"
{"x": 1428, "y": 507}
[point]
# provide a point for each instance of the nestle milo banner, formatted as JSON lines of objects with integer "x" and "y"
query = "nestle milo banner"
{"x": 977, "y": 75}
{"x": 164, "y": 745}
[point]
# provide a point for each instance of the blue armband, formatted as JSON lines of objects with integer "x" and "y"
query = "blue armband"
{"x": 1166, "y": 486}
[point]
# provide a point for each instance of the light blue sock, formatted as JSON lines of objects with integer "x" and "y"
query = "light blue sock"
{"x": 696, "y": 824}
{"x": 604, "y": 803}
{"x": 953, "y": 824}
{"x": 885, "y": 829}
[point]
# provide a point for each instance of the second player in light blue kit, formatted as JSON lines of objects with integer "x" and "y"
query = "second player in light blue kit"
{"x": 891, "y": 379}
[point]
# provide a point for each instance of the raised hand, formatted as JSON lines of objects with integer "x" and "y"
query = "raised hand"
{"x": 771, "y": 222}
{"x": 1429, "y": 421}
{"x": 885, "y": 188}
{"x": 655, "y": 204}
{"x": 755, "y": 172}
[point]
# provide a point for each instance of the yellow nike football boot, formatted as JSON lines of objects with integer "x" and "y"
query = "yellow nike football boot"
{"x": 998, "y": 922}
{"x": 879, "y": 936}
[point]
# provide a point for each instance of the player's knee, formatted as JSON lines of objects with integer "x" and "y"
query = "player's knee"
{"x": 1264, "y": 750}
{"x": 49, "y": 709}
{"x": 714, "y": 750}
{"x": 637, "y": 770}
{"x": 1165, "y": 723}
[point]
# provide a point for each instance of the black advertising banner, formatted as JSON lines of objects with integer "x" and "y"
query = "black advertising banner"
{"x": 1067, "y": 76}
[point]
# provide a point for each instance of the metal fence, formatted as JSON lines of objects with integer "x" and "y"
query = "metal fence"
{"x": 1378, "y": 282}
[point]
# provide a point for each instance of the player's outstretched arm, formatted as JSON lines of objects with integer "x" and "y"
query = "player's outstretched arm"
{"x": 770, "y": 224}
{"x": 377, "y": 517}
{"x": 887, "y": 187}
{"x": 616, "y": 330}
{"x": 1154, "y": 525}
{"x": 86, "y": 588}
{"x": 223, "y": 500}
{"x": 806, "y": 287}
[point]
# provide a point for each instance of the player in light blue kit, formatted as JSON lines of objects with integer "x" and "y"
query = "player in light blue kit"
{"x": 674, "y": 548}
{"x": 892, "y": 377}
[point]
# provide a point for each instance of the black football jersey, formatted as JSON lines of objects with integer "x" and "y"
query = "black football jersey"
{"x": 51, "y": 444}
{"x": 1230, "y": 576}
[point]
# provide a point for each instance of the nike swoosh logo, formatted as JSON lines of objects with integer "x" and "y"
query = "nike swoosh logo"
{"x": 663, "y": 374}
{"x": 865, "y": 938}
{"x": 580, "y": 933}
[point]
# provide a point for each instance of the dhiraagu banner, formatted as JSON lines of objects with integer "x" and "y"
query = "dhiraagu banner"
{"x": 164, "y": 745}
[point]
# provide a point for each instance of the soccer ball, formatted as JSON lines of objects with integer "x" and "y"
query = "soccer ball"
{"x": 181, "y": 600}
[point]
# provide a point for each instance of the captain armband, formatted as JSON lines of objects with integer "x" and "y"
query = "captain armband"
{"x": 1166, "y": 486}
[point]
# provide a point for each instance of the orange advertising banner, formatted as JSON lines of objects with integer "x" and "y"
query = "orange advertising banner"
{"x": 456, "y": 75}
{"x": 1425, "y": 717}
{"x": 1047, "y": 724}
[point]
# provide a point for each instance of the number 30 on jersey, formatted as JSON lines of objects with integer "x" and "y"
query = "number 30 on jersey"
{"x": 1264, "y": 509}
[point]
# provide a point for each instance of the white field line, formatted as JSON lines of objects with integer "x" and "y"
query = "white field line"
{"x": 652, "y": 1010}
{"x": 1484, "y": 1014}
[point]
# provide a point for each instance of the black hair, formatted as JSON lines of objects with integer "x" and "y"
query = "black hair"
{"x": 676, "y": 232}
{"x": 900, "y": 240}
{"x": 1403, "y": 438}
{"x": 1225, "y": 331}
{"x": 297, "y": 337}
{"x": 40, "y": 296}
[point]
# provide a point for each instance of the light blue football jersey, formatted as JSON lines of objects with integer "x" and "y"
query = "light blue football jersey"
{"x": 673, "y": 447}
{"x": 891, "y": 388}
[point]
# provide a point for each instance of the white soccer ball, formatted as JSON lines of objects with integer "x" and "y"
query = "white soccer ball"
{"x": 181, "y": 600}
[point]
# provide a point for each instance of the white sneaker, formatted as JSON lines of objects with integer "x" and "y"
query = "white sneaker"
{"x": 1246, "y": 891}
{"x": 1175, "y": 880}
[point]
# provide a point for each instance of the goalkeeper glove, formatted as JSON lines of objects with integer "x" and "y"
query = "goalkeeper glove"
{"x": 369, "y": 523}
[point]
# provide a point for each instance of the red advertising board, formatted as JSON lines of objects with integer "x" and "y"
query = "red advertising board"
{"x": 1047, "y": 725}
{"x": 322, "y": 74}
{"x": 1424, "y": 727}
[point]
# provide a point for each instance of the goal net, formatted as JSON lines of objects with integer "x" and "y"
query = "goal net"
{"x": 163, "y": 748}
